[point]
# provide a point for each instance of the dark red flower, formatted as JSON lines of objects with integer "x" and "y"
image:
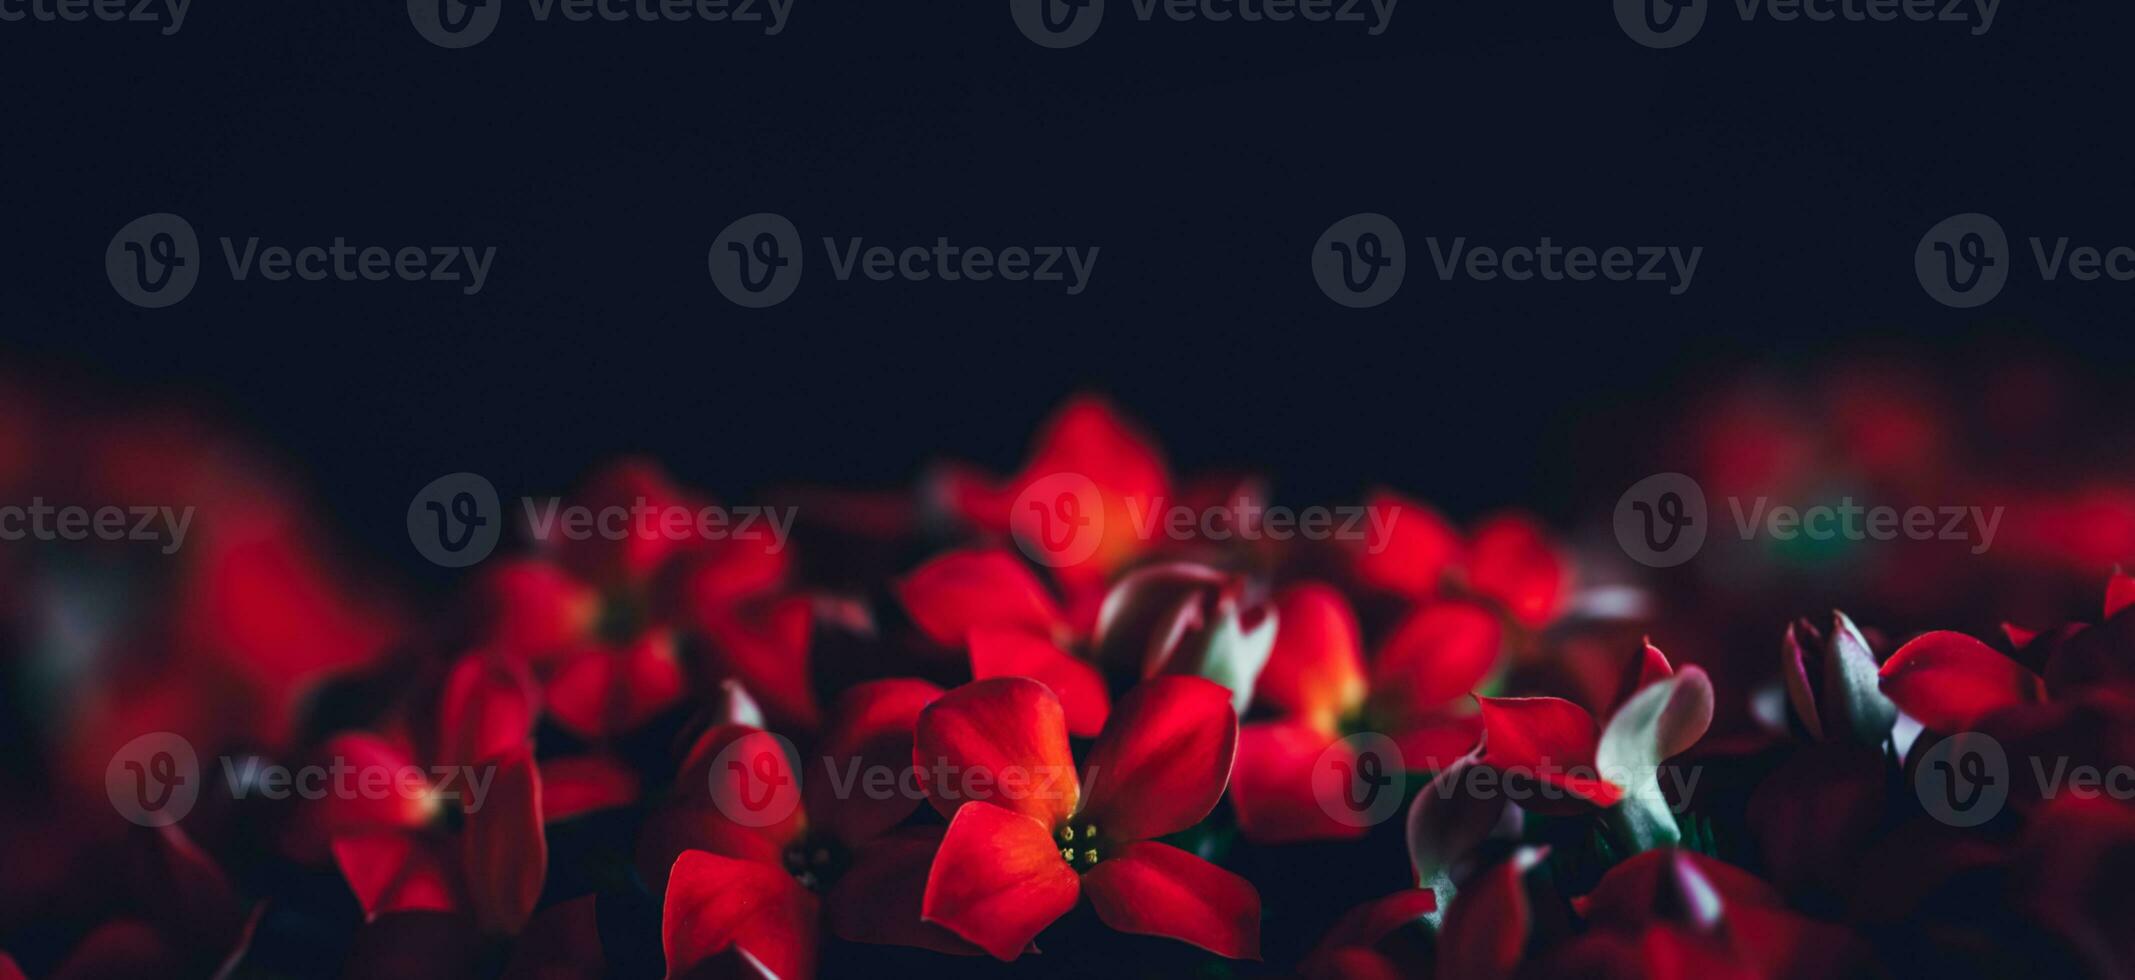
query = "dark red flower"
{"x": 762, "y": 881}
{"x": 1319, "y": 688}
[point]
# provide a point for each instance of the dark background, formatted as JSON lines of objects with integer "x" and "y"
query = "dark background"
{"x": 1205, "y": 159}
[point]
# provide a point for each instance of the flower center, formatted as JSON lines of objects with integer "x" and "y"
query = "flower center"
{"x": 1078, "y": 845}
{"x": 815, "y": 864}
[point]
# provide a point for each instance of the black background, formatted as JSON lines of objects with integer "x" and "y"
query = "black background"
{"x": 1204, "y": 159}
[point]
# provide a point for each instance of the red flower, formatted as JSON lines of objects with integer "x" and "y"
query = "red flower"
{"x": 398, "y": 850}
{"x": 1319, "y": 686}
{"x": 1555, "y": 746}
{"x": 759, "y": 876}
{"x": 1507, "y": 559}
{"x": 599, "y": 617}
{"x": 1027, "y": 838}
{"x": 1176, "y": 618}
{"x": 1086, "y": 449}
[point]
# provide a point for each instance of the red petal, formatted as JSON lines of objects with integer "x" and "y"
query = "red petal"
{"x": 1088, "y": 439}
{"x": 1435, "y": 657}
{"x": 1647, "y": 665}
{"x": 769, "y": 648}
{"x": 731, "y": 572}
{"x": 871, "y": 730}
{"x": 505, "y": 851}
{"x": 1271, "y": 786}
{"x": 1670, "y": 885}
{"x": 1317, "y": 668}
{"x": 962, "y": 590}
{"x": 487, "y": 709}
{"x": 877, "y": 899}
{"x": 1372, "y": 921}
{"x": 537, "y": 611}
{"x": 998, "y": 880}
{"x": 1511, "y": 560}
{"x": 1155, "y": 889}
{"x": 1486, "y": 926}
{"x": 8, "y": 969}
{"x": 716, "y": 903}
{"x": 1013, "y": 653}
{"x": 119, "y": 949}
{"x": 582, "y": 784}
{"x": 2119, "y": 593}
{"x": 1534, "y": 732}
{"x": 407, "y": 803}
{"x": 1418, "y": 548}
{"x": 604, "y": 692}
{"x": 1163, "y": 760}
{"x": 397, "y": 872}
{"x": 1438, "y": 744}
{"x": 1947, "y": 681}
{"x": 1547, "y": 740}
{"x": 636, "y": 552}
{"x": 1351, "y": 963}
{"x": 982, "y": 740}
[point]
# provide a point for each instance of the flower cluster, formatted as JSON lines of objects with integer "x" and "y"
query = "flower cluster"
{"x": 1090, "y": 715}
